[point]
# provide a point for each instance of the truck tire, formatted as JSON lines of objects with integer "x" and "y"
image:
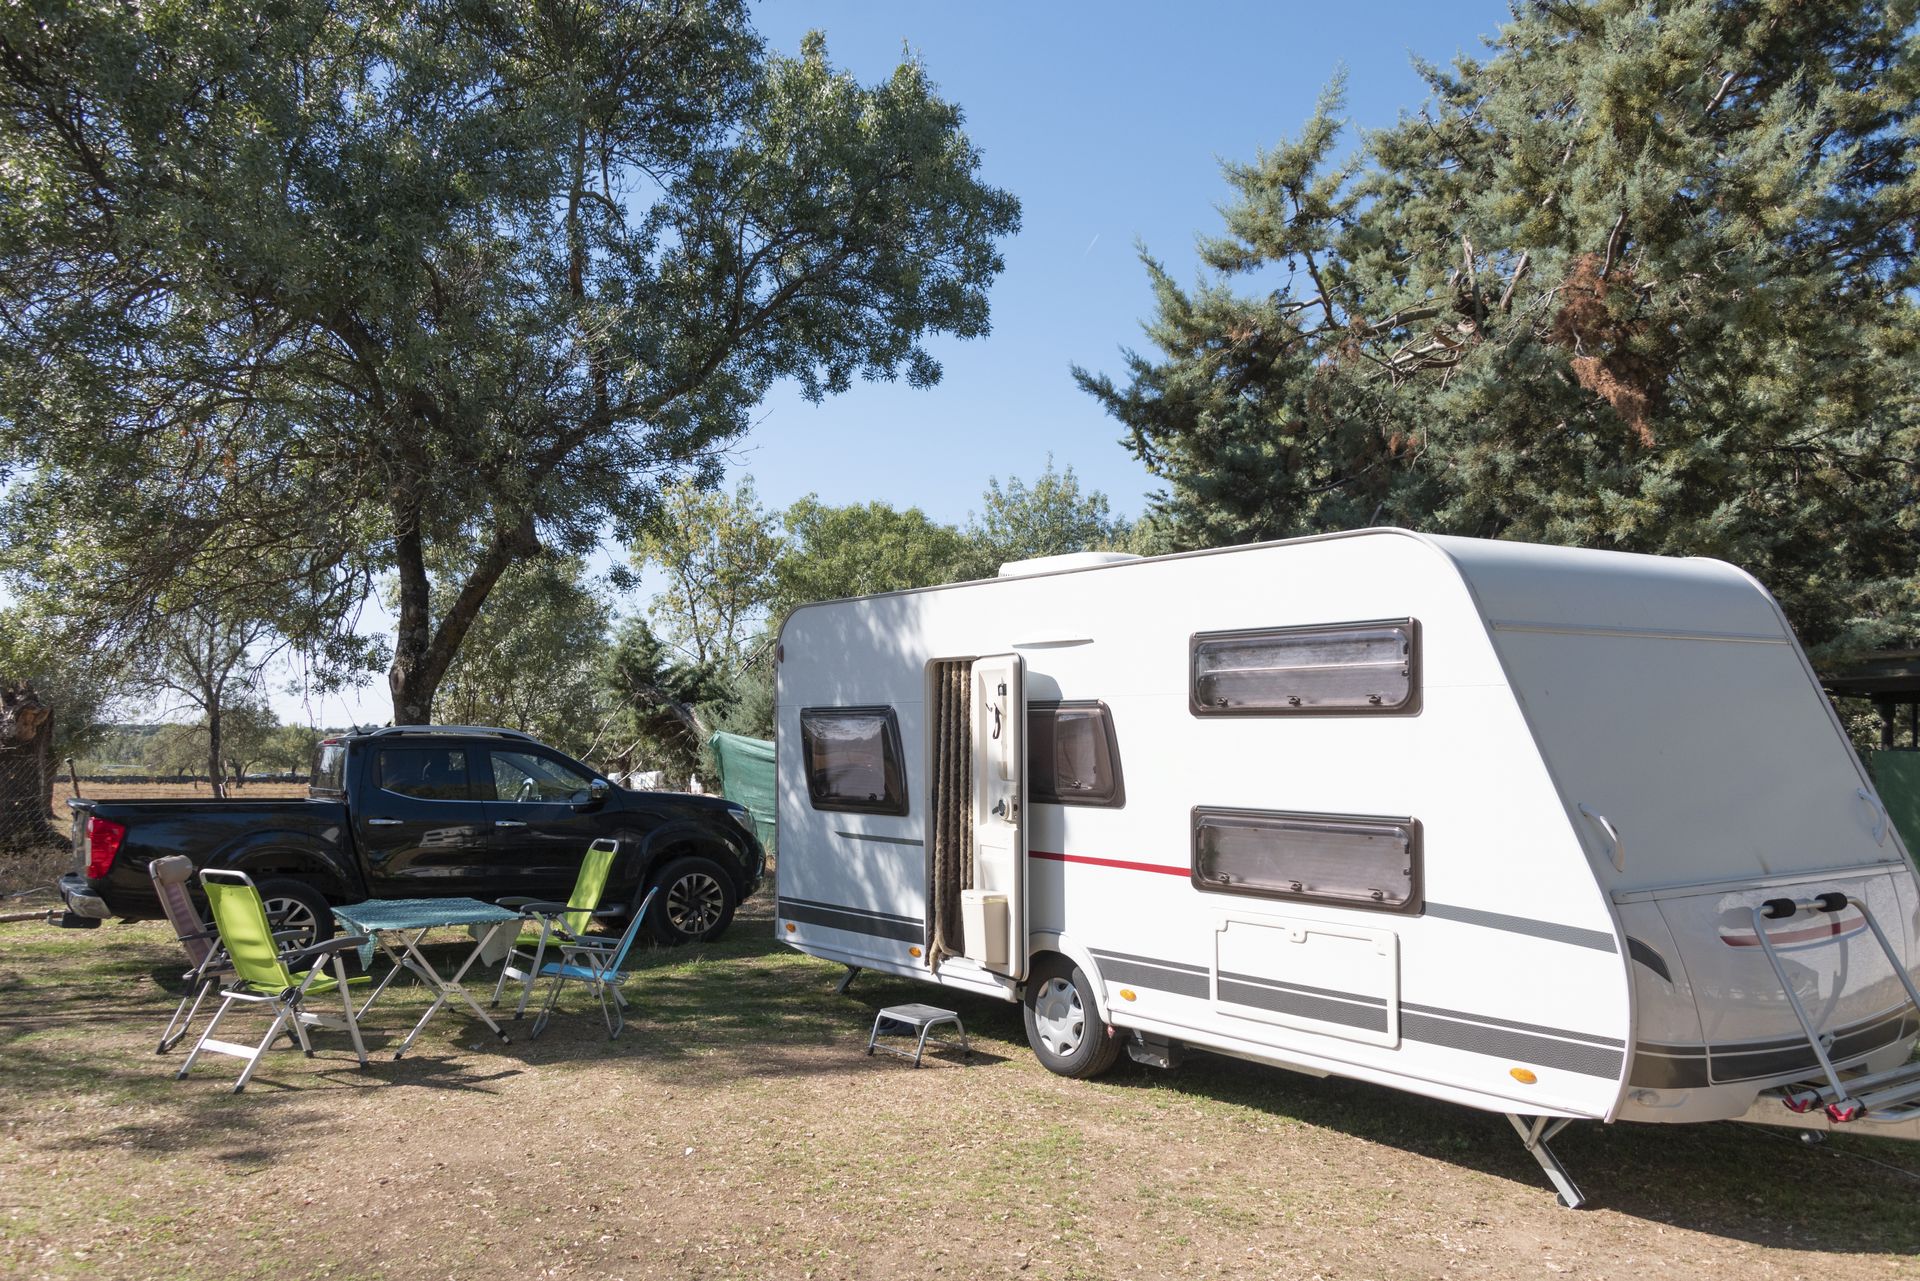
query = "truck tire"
{"x": 294, "y": 905}
{"x": 696, "y": 902}
{"x": 1063, "y": 1024}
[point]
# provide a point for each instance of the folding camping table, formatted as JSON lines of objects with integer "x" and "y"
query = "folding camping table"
{"x": 396, "y": 926}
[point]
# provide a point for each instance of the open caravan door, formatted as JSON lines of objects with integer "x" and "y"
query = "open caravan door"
{"x": 994, "y": 907}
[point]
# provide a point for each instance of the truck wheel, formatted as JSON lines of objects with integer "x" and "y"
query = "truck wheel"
{"x": 696, "y": 902}
{"x": 1063, "y": 1026}
{"x": 292, "y": 905}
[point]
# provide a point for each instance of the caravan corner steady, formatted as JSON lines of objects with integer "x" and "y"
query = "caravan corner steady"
{"x": 1558, "y": 834}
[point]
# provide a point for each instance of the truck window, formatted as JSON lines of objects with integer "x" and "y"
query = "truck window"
{"x": 1341, "y": 669}
{"x": 1349, "y": 861}
{"x": 425, "y": 773}
{"x": 853, "y": 759}
{"x": 525, "y": 776}
{"x": 1072, "y": 758}
{"x": 329, "y": 768}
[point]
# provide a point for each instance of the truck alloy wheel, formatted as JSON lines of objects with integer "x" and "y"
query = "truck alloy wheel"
{"x": 293, "y": 906}
{"x": 696, "y": 901}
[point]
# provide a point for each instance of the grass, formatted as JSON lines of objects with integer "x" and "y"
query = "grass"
{"x": 738, "y": 1130}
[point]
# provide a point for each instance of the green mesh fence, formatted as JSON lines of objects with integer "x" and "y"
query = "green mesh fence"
{"x": 1896, "y": 776}
{"x": 746, "y": 776}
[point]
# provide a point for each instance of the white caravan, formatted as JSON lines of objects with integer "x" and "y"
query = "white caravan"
{"x": 1555, "y": 833}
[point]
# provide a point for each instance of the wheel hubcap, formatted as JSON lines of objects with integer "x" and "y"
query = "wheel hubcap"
{"x": 1059, "y": 1018}
{"x": 694, "y": 903}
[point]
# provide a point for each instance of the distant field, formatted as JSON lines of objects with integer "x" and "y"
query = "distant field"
{"x": 63, "y": 791}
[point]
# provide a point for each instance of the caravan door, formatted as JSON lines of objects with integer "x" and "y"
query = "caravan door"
{"x": 995, "y": 906}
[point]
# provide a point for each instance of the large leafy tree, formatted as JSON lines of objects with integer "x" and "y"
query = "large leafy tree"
{"x": 295, "y": 293}
{"x": 716, "y": 551}
{"x": 1641, "y": 278}
{"x": 863, "y": 548}
{"x": 532, "y": 661}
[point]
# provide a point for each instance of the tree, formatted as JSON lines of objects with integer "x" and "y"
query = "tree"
{"x": 862, "y": 548}
{"x": 718, "y": 552}
{"x": 300, "y": 294}
{"x": 1050, "y": 517}
{"x": 532, "y": 661}
{"x": 211, "y": 663}
{"x": 659, "y": 695}
{"x": 1643, "y": 278}
{"x": 26, "y": 774}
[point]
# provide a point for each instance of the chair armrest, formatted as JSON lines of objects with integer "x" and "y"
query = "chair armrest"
{"x": 536, "y": 906}
{"x": 326, "y": 948}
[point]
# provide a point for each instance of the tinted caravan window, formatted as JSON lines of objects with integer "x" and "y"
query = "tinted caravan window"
{"x": 1346, "y": 860}
{"x": 1072, "y": 758}
{"x": 852, "y": 757}
{"x": 1344, "y": 668}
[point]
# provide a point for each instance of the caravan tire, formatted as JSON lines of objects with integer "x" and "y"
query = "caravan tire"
{"x": 1063, "y": 1024}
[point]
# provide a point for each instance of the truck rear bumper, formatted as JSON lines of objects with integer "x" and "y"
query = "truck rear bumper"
{"x": 81, "y": 900}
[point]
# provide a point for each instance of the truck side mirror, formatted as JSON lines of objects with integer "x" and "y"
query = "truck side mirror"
{"x": 597, "y": 791}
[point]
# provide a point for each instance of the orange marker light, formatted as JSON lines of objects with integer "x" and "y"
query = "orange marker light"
{"x": 913, "y": 951}
{"x": 1126, "y": 994}
{"x": 790, "y": 927}
{"x": 1522, "y": 1075}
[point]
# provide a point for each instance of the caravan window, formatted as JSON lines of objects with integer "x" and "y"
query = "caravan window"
{"x": 1071, "y": 755}
{"x": 1315, "y": 858}
{"x": 853, "y": 759}
{"x": 1345, "y": 668}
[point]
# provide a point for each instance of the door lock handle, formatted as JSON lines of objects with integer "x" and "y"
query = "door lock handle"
{"x": 508, "y": 822}
{"x": 1006, "y": 809}
{"x": 383, "y": 822}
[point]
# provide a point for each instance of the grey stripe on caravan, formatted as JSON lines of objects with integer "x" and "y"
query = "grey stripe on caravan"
{"x": 1261, "y": 981}
{"x": 883, "y": 840}
{"x": 1515, "y": 1047}
{"x": 1371, "y": 1018}
{"x": 853, "y": 919}
{"x": 1598, "y": 940}
{"x": 1589, "y": 1037}
{"x": 1637, "y": 633}
{"x": 1150, "y": 960}
{"x": 1161, "y": 976}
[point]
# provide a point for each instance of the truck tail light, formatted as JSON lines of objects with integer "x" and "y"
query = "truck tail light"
{"x": 103, "y": 842}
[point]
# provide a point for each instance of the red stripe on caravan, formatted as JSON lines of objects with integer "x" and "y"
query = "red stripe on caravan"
{"x": 1107, "y": 862}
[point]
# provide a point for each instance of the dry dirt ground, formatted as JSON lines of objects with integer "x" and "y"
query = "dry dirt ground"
{"x": 738, "y": 1130}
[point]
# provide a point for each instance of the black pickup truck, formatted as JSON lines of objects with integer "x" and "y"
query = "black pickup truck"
{"x": 418, "y": 811}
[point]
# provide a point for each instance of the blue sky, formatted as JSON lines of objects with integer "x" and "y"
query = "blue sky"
{"x": 1109, "y": 122}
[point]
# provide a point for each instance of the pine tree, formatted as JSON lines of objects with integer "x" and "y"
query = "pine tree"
{"x": 1642, "y": 278}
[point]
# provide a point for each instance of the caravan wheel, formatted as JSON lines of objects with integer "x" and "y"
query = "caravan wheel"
{"x": 1063, "y": 1025}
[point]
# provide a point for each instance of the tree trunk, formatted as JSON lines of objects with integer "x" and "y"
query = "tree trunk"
{"x": 216, "y": 775}
{"x": 26, "y": 743}
{"x": 422, "y": 652}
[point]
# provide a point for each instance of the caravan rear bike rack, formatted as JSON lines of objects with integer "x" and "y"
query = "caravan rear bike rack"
{"x": 1888, "y": 1095}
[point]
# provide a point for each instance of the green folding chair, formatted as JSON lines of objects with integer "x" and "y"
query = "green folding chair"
{"x": 262, "y": 975}
{"x": 563, "y": 922}
{"x": 600, "y": 964}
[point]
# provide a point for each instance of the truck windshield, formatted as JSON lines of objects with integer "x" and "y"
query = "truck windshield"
{"x": 329, "y": 764}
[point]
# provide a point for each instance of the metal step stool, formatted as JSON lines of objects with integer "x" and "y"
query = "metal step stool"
{"x": 907, "y": 1020}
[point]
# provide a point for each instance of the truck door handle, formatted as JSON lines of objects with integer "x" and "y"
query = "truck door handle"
{"x": 508, "y": 822}
{"x": 383, "y": 822}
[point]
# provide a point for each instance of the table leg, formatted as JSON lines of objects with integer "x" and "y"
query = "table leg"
{"x": 398, "y": 961}
{"x": 448, "y": 988}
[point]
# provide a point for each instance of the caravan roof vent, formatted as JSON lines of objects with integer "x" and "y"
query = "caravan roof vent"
{"x": 1055, "y": 564}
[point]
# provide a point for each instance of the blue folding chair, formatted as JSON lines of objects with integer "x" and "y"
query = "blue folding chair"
{"x": 599, "y": 963}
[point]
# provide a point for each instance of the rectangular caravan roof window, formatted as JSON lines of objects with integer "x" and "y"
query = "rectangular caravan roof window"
{"x": 1337, "y": 669}
{"x": 1349, "y": 861}
{"x": 1072, "y": 758}
{"x": 853, "y": 759}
